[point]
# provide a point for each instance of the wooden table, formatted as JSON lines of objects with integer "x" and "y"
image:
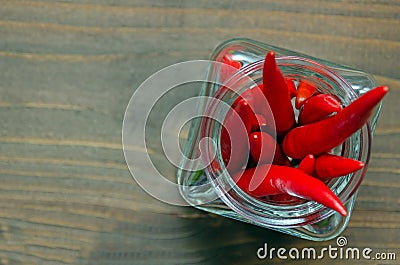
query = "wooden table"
{"x": 67, "y": 72}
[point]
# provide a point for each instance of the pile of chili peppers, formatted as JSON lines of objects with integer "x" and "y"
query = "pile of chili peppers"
{"x": 302, "y": 162}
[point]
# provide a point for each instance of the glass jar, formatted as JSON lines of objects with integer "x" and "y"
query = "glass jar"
{"x": 213, "y": 189}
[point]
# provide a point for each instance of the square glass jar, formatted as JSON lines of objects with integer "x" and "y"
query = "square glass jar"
{"x": 213, "y": 190}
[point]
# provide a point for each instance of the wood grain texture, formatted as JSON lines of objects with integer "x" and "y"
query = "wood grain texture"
{"x": 67, "y": 72}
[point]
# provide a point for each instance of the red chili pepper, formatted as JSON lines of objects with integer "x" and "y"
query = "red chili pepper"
{"x": 259, "y": 104}
{"x": 227, "y": 59}
{"x": 318, "y": 107}
{"x": 258, "y": 122}
{"x": 234, "y": 135}
{"x": 259, "y": 175}
{"x": 276, "y": 91}
{"x": 255, "y": 97}
{"x": 291, "y": 87}
{"x": 274, "y": 179}
{"x": 331, "y": 166}
{"x": 305, "y": 90}
{"x": 245, "y": 111}
{"x": 264, "y": 149}
{"x": 307, "y": 164}
{"x": 320, "y": 137}
{"x": 227, "y": 71}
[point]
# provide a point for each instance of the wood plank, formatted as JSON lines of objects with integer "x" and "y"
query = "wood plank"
{"x": 68, "y": 70}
